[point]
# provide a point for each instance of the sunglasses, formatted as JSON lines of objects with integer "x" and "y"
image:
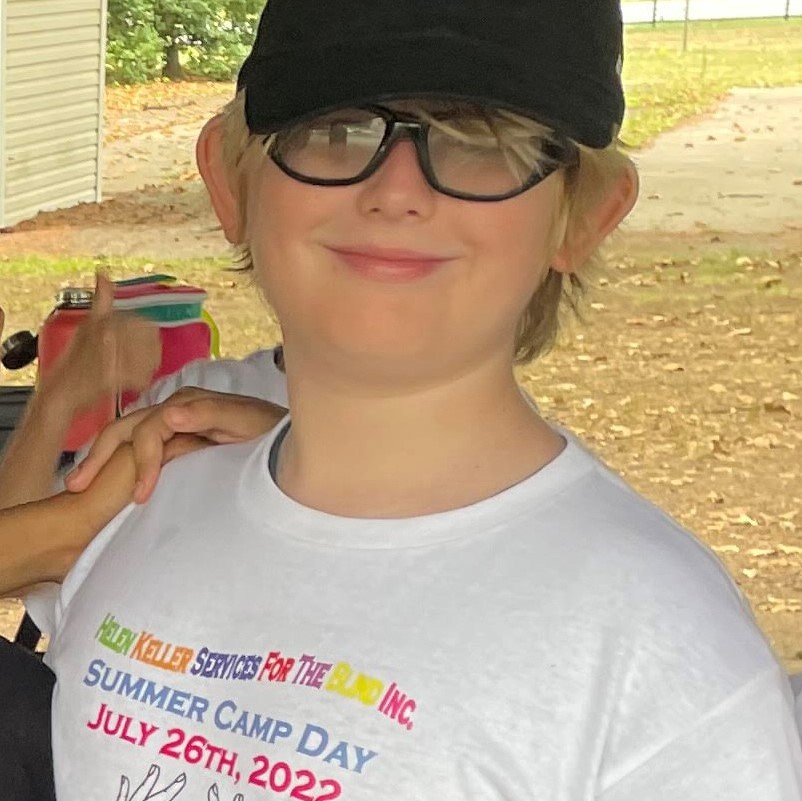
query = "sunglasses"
{"x": 483, "y": 156}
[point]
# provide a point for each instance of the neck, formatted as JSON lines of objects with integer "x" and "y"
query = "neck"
{"x": 426, "y": 449}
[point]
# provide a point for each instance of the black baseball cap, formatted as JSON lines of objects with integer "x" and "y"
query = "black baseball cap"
{"x": 556, "y": 61}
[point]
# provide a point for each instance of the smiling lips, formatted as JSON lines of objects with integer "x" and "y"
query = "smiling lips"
{"x": 389, "y": 264}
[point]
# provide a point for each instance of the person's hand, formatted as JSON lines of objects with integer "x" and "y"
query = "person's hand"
{"x": 201, "y": 416}
{"x": 110, "y": 352}
{"x": 147, "y": 790}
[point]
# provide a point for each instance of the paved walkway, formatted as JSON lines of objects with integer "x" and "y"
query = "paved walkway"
{"x": 739, "y": 169}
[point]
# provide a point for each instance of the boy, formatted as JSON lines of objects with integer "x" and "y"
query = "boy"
{"x": 414, "y": 587}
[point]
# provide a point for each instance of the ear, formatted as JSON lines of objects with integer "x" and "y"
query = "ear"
{"x": 603, "y": 220}
{"x": 209, "y": 157}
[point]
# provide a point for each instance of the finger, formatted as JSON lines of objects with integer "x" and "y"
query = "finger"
{"x": 104, "y": 295}
{"x": 124, "y": 787}
{"x": 148, "y": 783}
{"x": 225, "y": 419}
{"x": 103, "y": 448}
{"x": 172, "y": 790}
{"x": 139, "y": 353}
{"x": 148, "y": 441}
{"x": 182, "y": 444}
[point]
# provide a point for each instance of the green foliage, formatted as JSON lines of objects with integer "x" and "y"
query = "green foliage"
{"x": 666, "y": 85}
{"x": 208, "y": 38}
{"x": 134, "y": 49}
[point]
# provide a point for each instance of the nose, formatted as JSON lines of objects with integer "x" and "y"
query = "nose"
{"x": 398, "y": 189}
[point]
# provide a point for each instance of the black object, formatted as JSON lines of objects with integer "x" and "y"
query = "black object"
{"x": 12, "y": 405}
{"x": 28, "y": 634}
{"x": 19, "y": 350}
{"x": 26, "y": 758}
{"x": 556, "y": 61}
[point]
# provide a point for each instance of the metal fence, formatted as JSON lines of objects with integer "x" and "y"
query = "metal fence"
{"x": 654, "y": 11}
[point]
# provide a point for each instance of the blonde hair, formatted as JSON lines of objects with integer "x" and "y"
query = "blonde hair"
{"x": 586, "y": 184}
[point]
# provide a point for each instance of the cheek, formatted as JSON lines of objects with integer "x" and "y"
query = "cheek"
{"x": 280, "y": 217}
{"x": 513, "y": 240}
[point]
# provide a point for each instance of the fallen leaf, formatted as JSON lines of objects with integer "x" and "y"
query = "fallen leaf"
{"x": 760, "y": 551}
{"x": 776, "y": 407}
{"x": 769, "y": 281}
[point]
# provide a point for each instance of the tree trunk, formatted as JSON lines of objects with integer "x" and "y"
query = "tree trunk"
{"x": 172, "y": 66}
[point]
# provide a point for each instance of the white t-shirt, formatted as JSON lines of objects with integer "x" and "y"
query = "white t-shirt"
{"x": 255, "y": 376}
{"x": 563, "y": 640}
{"x": 796, "y": 687}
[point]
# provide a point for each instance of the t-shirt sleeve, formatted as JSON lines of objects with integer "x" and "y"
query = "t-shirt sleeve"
{"x": 256, "y": 376}
{"x": 745, "y": 749}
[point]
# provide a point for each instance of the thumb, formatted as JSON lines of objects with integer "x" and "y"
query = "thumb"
{"x": 104, "y": 295}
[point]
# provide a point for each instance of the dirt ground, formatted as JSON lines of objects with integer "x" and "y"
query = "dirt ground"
{"x": 685, "y": 373}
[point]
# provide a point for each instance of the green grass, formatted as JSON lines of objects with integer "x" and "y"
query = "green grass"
{"x": 738, "y": 275}
{"x": 665, "y": 86}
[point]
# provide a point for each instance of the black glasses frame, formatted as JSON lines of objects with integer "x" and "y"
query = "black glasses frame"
{"x": 559, "y": 150}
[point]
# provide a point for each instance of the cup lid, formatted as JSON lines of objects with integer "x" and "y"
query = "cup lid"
{"x": 74, "y": 297}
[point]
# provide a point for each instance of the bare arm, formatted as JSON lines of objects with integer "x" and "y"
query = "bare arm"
{"x": 40, "y": 541}
{"x": 29, "y": 461}
{"x": 109, "y": 351}
{"x": 35, "y": 540}
{"x": 27, "y": 473}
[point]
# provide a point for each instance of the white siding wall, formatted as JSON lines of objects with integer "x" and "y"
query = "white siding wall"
{"x": 51, "y": 104}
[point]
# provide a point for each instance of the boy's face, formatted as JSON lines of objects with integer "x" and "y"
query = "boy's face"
{"x": 391, "y": 277}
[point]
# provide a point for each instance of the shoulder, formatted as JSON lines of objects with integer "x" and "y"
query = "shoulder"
{"x": 679, "y": 636}
{"x": 655, "y": 582}
{"x": 603, "y": 516}
{"x": 256, "y": 375}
